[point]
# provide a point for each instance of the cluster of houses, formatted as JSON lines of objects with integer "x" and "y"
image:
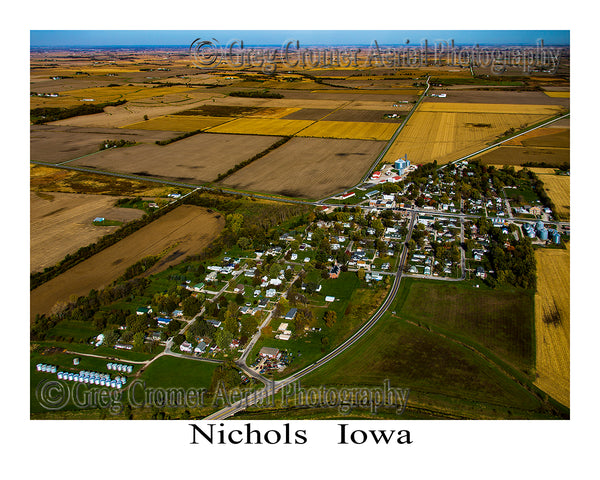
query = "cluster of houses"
{"x": 187, "y": 347}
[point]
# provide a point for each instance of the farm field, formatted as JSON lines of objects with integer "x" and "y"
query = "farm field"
{"x": 262, "y": 126}
{"x": 459, "y": 95}
{"x": 53, "y": 179}
{"x": 550, "y": 136}
{"x": 515, "y": 155}
{"x": 364, "y": 115}
{"x": 134, "y": 112}
{"x": 308, "y": 167}
{"x": 499, "y": 320}
{"x": 53, "y": 214}
{"x": 197, "y": 159}
{"x": 187, "y": 229}
{"x": 448, "y": 135}
{"x": 375, "y": 91}
{"x": 357, "y": 130}
{"x": 553, "y": 338}
{"x": 313, "y": 114}
{"x": 74, "y": 98}
{"x": 558, "y": 94}
{"x": 558, "y": 188}
{"x": 54, "y": 144}
{"x": 490, "y": 108}
{"x": 180, "y": 123}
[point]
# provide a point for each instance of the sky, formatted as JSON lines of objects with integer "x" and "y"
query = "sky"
{"x": 97, "y": 38}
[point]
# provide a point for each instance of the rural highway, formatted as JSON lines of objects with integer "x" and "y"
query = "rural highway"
{"x": 271, "y": 387}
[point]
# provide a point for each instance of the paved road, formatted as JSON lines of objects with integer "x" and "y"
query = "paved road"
{"x": 273, "y": 387}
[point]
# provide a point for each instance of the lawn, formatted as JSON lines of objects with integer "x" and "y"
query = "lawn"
{"x": 169, "y": 371}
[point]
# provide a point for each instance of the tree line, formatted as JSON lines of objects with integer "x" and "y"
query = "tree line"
{"x": 42, "y": 115}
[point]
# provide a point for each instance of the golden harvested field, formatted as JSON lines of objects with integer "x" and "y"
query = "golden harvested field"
{"x": 558, "y": 188}
{"x": 262, "y": 126}
{"x": 308, "y": 167}
{"x": 447, "y": 136}
{"x": 553, "y": 340}
{"x": 196, "y": 159}
{"x": 73, "y": 98}
{"x": 490, "y": 108}
{"x": 357, "y": 130}
{"x": 52, "y": 179}
{"x": 559, "y": 94}
{"x": 179, "y": 123}
{"x": 53, "y": 214}
{"x": 187, "y": 230}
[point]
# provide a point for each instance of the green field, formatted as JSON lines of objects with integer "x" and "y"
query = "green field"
{"x": 78, "y": 331}
{"x": 170, "y": 371}
{"x": 447, "y": 376}
{"x": 500, "y": 320}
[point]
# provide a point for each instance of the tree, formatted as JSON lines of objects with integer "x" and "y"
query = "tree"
{"x": 234, "y": 222}
{"x": 230, "y": 320}
{"x": 138, "y": 340}
{"x": 249, "y": 326}
{"x": 191, "y": 306}
{"x": 178, "y": 339}
{"x": 330, "y": 317}
{"x": 244, "y": 243}
{"x": 223, "y": 338}
{"x": 110, "y": 337}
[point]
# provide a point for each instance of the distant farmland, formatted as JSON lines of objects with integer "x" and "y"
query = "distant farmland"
{"x": 180, "y": 123}
{"x": 262, "y": 126}
{"x": 356, "y": 130}
{"x": 187, "y": 230}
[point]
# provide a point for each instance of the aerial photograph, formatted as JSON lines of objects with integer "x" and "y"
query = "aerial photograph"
{"x": 299, "y": 225}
